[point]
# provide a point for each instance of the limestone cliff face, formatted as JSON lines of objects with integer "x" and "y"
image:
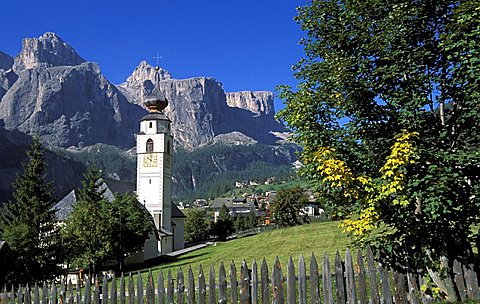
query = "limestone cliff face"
{"x": 258, "y": 102}
{"x": 69, "y": 105}
{"x": 54, "y": 92}
{"x": 46, "y": 50}
{"x": 7, "y": 76}
{"x": 195, "y": 105}
{"x": 143, "y": 72}
{"x": 133, "y": 86}
{"x": 201, "y": 111}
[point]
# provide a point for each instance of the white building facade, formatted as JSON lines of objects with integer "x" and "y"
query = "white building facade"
{"x": 154, "y": 176}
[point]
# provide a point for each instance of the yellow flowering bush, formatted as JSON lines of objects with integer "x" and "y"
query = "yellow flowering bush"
{"x": 368, "y": 191}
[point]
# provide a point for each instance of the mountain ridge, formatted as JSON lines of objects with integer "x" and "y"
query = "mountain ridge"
{"x": 56, "y": 92}
{"x": 50, "y": 90}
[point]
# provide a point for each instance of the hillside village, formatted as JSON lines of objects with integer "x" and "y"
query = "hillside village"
{"x": 247, "y": 201}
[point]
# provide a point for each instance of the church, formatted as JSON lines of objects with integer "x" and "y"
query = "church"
{"x": 154, "y": 179}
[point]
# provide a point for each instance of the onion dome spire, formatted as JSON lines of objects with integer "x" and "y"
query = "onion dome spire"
{"x": 155, "y": 101}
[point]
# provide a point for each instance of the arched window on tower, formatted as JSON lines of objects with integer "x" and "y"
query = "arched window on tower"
{"x": 168, "y": 147}
{"x": 150, "y": 125}
{"x": 149, "y": 147}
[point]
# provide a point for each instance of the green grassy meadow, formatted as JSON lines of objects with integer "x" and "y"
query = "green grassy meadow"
{"x": 316, "y": 238}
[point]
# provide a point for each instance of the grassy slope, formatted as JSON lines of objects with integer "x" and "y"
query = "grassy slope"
{"x": 316, "y": 238}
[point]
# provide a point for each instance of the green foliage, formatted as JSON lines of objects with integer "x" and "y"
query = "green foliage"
{"x": 288, "y": 207}
{"x": 129, "y": 225}
{"x": 251, "y": 220}
{"x": 86, "y": 229}
{"x": 197, "y": 225}
{"x": 220, "y": 166}
{"x": 371, "y": 70}
{"x": 28, "y": 223}
{"x": 242, "y": 223}
{"x": 239, "y": 223}
{"x": 223, "y": 227}
{"x": 98, "y": 230}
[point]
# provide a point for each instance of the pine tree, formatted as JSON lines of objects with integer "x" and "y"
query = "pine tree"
{"x": 28, "y": 223}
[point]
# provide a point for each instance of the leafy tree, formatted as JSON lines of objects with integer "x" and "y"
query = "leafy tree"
{"x": 252, "y": 221}
{"x": 387, "y": 112}
{"x": 87, "y": 225}
{"x": 223, "y": 227}
{"x": 240, "y": 223}
{"x": 98, "y": 230}
{"x": 288, "y": 207}
{"x": 128, "y": 226}
{"x": 28, "y": 223}
{"x": 197, "y": 225}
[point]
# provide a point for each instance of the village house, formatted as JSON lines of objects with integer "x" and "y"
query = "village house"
{"x": 312, "y": 209}
{"x": 238, "y": 206}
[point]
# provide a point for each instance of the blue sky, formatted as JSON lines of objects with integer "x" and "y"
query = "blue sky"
{"x": 246, "y": 45}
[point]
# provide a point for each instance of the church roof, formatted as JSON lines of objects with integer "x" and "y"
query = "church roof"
{"x": 177, "y": 213}
{"x": 155, "y": 116}
{"x": 164, "y": 232}
{"x": 65, "y": 206}
{"x": 119, "y": 187}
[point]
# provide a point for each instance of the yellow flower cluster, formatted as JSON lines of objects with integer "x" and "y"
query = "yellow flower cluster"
{"x": 402, "y": 154}
{"x": 364, "y": 225}
{"x": 391, "y": 184}
{"x": 333, "y": 170}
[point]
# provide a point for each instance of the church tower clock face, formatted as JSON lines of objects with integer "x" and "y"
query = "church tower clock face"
{"x": 150, "y": 160}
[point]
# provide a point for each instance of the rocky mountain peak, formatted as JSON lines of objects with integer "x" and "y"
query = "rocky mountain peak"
{"x": 144, "y": 72}
{"x": 53, "y": 92}
{"x": 47, "y": 50}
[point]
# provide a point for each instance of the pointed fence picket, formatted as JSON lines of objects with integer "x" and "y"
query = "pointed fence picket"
{"x": 352, "y": 281}
{"x": 254, "y": 294}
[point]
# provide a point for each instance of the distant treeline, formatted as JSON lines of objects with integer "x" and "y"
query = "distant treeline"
{"x": 202, "y": 173}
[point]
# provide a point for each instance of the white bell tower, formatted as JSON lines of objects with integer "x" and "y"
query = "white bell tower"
{"x": 154, "y": 166}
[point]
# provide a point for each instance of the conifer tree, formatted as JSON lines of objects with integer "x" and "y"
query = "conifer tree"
{"x": 28, "y": 223}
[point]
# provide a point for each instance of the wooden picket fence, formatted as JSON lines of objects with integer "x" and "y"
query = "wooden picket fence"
{"x": 358, "y": 283}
